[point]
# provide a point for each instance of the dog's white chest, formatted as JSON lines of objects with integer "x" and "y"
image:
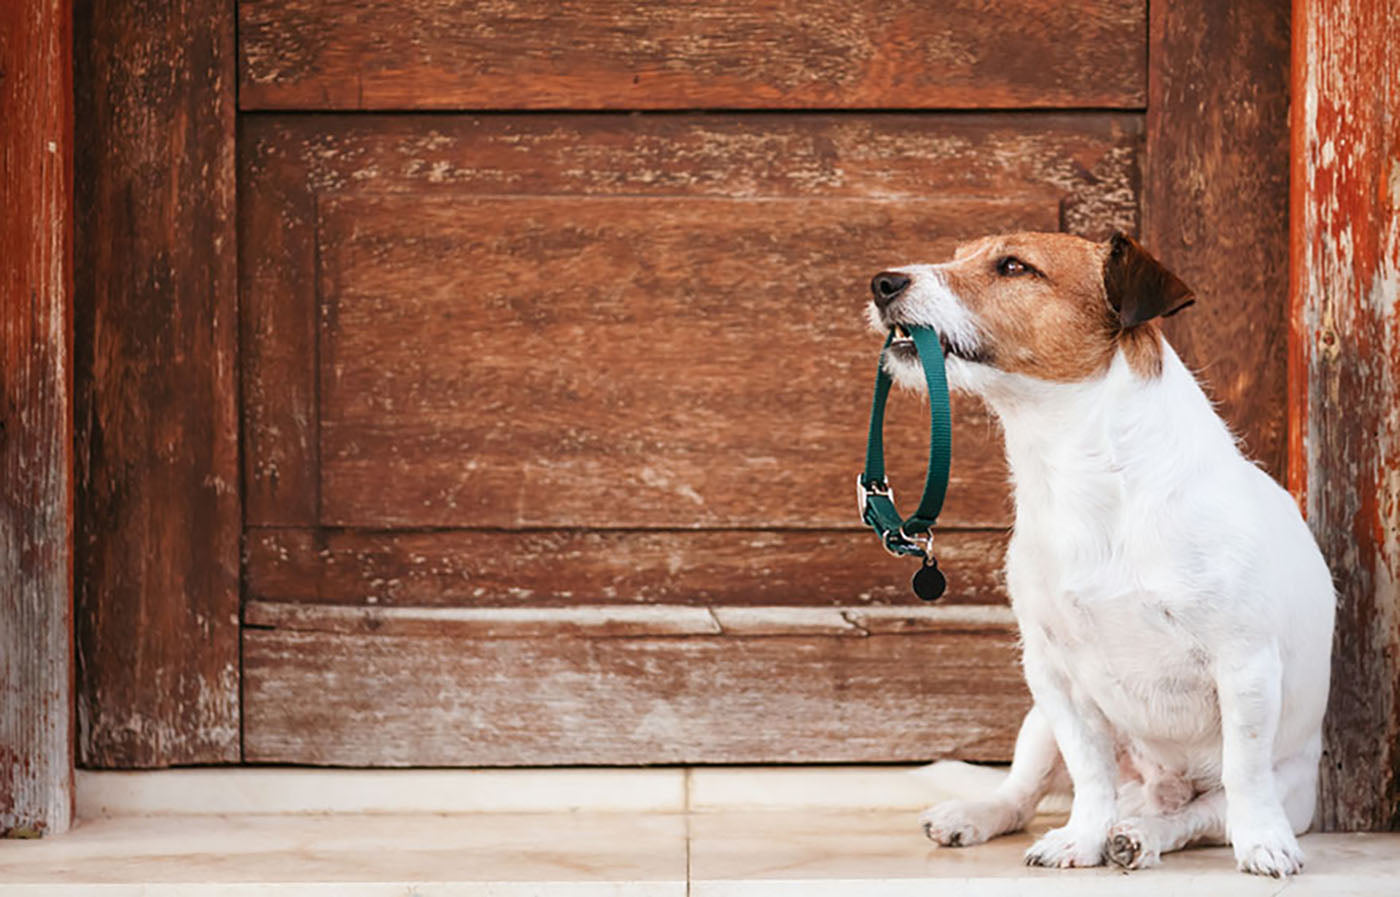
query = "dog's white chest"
{"x": 1109, "y": 611}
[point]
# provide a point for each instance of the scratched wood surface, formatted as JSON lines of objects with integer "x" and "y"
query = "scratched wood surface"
{"x": 1215, "y": 202}
{"x": 623, "y": 621}
{"x": 562, "y": 568}
{"x": 1346, "y": 381}
{"x": 856, "y": 696}
{"x": 439, "y": 54}
{"x": 290, "y": 165}
{"x": 541, "y": 378}
{"x": 156, "y": 384}
{"x": 623, "y": 362}
{"x": 36, "y": 419}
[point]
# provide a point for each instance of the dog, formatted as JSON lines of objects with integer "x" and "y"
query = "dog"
{"x": 1175, "y": 613}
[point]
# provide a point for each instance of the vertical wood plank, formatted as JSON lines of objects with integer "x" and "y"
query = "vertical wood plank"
{"x": 1215, "y": 200}
{"x": 1346, "y": 341}
{"x": 277, "y": 347}
{"x": 36, "y": 419}
{"x": 156, "y": 368}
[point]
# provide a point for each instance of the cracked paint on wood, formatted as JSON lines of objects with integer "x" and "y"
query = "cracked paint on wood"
{"x": 1346, "y": 379}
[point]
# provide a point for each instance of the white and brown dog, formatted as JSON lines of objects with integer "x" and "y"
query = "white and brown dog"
{"x": 1175, "y": 612}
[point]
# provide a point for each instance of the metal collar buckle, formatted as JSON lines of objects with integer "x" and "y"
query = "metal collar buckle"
{"x": 864, "y": 492}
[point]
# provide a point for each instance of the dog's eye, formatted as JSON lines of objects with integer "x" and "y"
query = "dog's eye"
{"x": 1012, "y": 267}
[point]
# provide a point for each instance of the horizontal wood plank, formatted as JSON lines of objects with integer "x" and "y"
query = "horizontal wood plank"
{"x": 397, "y": 700}
{"x": 1088, "y": 162}
{"x": 624, "y": 362}
{"x": 559, "y": 568}
{"x": 594, "y": 54}
{"x": 622, "y": 621}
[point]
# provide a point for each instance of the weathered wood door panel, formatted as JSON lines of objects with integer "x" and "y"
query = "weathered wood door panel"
{"x": 620, "y": 362}
{"x": 635, "y": 526}
{"x": 551, "y": 424}
{"x": 839, "y": 689}
{"x": 551, "y": 420}
{"x": 1002, "y": 167}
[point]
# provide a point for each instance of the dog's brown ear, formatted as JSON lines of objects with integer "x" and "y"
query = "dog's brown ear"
{"x": 1139, "y": 288}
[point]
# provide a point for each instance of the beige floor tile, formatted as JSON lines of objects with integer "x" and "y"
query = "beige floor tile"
{"x": 222, "y": 790}
{"x": 577, "y": 854}
{"x": 883, "y": 854}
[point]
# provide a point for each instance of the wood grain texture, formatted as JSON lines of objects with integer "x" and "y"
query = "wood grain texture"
{"x": 158, "y": 504}
{"x": 390, "y": 700}
{"x": 36, "y": 419}
{"x": 288, "y": 164}
{"x": 560, "y": 568}
{"x": 775, "y": 54}
{"x": 1346, "y": 319}
{"x": 621, "y": 621}
{"x": 624, "y": 362}
{"x": 1215, "y": 202}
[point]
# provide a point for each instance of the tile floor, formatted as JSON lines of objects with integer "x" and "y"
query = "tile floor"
{"x": 703, "y": 833}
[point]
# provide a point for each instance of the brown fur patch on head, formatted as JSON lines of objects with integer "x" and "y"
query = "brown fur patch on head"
{"x": 1052, "y": 320}
{"x": 1142, "y": 348}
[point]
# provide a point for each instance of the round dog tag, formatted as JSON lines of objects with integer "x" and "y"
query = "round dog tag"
{"x": 929, "y": 583}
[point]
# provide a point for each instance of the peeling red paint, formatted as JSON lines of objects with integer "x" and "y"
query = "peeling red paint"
{"x": 36, "y": 435}
{"x": 1345, "y": 379}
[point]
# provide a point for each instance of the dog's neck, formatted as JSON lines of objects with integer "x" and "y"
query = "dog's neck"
{"x": 1064, "y": 438}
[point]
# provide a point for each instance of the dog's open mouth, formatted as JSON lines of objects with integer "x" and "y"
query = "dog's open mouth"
{"x": 902, "y": 346}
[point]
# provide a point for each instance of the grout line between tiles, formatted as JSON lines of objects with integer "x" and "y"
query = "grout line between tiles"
{"x": 689, "y": 875}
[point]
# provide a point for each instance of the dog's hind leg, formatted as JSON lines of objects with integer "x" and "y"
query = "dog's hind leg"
{"x": 1138, "y": 842}
{"x": 1034, "y": 768}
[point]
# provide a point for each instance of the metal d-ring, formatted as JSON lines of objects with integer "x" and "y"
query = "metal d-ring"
{"x": 926, "y": 543}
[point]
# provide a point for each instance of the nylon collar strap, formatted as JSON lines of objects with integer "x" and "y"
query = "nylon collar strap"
{"x": 900, "y": 535}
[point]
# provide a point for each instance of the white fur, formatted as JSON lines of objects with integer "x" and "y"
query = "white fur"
{"x": 1175, "y": 612}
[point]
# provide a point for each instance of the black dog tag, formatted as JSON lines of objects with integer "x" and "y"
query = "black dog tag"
{"x": 929, "y": 583}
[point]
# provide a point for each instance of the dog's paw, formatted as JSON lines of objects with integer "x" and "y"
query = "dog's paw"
{"x": 1276, "y": 853}
{"x": 963, "y": 823}
{"x": 1131, "y": 845}
{"x": 1062, "y": 848}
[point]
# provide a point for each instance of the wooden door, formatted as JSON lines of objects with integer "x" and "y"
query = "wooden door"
{"x": 551, "y": 418}
{"x": 549, "y": 380}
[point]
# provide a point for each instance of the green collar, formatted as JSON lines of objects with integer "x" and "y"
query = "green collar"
{"x": 900, "y": 535}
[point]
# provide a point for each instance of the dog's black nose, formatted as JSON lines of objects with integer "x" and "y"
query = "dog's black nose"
{"x": 887, "y": 285}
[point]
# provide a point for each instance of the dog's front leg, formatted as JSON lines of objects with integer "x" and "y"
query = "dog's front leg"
{"x": 1250, "y": 687}
{"x": 1086, "y": 745}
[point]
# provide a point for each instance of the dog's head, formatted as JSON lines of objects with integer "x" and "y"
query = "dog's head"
{"x": 1051, "y": 307}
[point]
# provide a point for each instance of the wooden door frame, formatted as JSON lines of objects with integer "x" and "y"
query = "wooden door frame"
{"x": 36, "y": 419}
{"x": 1344, "y": 367}
{"x": 156, "y": 328}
